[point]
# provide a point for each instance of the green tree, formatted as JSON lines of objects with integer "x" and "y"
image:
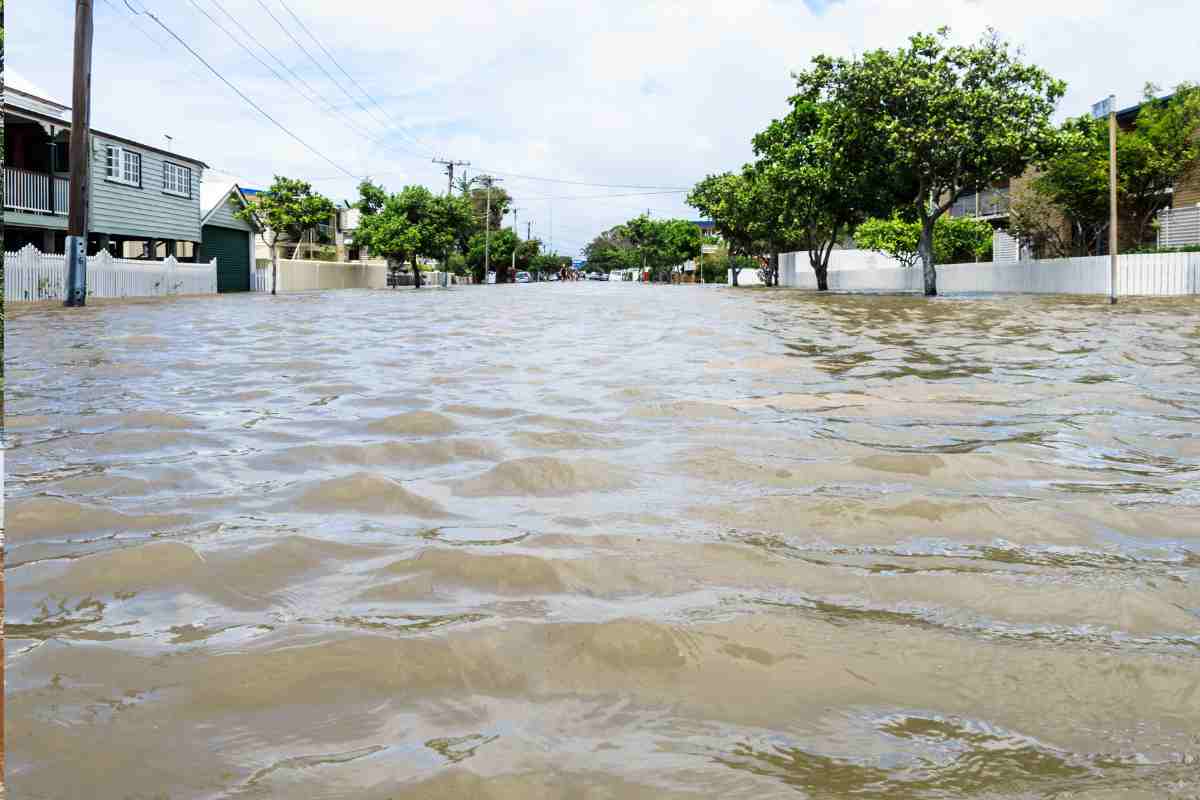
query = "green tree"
{"x": 729, "y": 200}
{"x": 1075, "y": 180}
{"x": 410, "y": 224}
{"x": 290, "y": 207}
{"x": 1037, "y": 223}
{"x": 950, "y": 118}
{"x": 661, "y": 244}
{"x": 955, "y": 239}
{"x": 500, "y": 203}
{"x": 818, "y": 185}
{"x": 612, "y": 250}
{"x": 1162, "y": 149}
{"x": 499, "y": 254}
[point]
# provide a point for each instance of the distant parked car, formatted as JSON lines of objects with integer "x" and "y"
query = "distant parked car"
{"x": 524, "y": 277}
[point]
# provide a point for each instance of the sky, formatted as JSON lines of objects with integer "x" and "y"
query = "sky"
{"x": 590, "y": 113}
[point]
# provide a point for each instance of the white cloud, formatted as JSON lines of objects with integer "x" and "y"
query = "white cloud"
{"x": 620, "y": 92}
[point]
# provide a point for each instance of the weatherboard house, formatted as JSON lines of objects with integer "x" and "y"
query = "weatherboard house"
{"x": 143, "y": 201}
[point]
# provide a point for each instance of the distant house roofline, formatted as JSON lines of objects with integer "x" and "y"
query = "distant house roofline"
{"x": 233, "y": 190}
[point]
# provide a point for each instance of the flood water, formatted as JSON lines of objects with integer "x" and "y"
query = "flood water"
{"x": 604, "y": 541}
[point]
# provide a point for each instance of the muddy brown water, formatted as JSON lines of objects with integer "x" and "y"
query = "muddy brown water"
{"x": 604, "y": 541}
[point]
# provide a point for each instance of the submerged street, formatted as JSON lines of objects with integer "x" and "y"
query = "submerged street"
{"x": 603, "y": 540}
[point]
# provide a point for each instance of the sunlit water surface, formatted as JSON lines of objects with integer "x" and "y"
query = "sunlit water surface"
{"x": 604, "y": 541}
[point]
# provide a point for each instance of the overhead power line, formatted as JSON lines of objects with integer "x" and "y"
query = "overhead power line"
{"x": 239, "y": 92}
{"x": 311, "y": 95}
{"x": 388, "y": 119}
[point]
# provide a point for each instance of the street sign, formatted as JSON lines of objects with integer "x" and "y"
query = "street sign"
{"x": 578, "y": 262}
{"x": 708, "y": 249}
{"x": 1105, "y": 107}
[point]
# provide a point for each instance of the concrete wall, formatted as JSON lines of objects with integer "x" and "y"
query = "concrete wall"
{"x": 308, "y": 276}
{"x": 311, "y": 276}
{"x": 1148, "y": 274}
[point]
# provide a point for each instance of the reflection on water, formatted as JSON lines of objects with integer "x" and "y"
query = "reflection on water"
{"x": 604, "y": 541}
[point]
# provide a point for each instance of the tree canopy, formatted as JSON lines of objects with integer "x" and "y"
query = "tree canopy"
{"x": 955, "y": 239}
{"x": 410, "y": 224}
{"x": 290, "y": 207}
{"x": 945, "y": 118}
{"x": 1160, "y": 149}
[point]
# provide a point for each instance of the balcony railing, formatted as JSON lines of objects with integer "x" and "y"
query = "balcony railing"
{"x": 35, "y": 192}
{"x": 991, "y": 203}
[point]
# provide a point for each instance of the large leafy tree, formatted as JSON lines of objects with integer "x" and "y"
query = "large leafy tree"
{"x": 410, "y": 224}
{"x": 1159, "y": 151}
{"x": 951, "y": 118}
{"x": 289, "y": 208}
{"x": 818, "y": 185}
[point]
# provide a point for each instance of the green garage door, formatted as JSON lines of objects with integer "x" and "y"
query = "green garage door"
{"x": 231, "y": 248}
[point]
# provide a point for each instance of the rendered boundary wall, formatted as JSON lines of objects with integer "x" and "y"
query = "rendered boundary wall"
{"x": 1151, "y": 274}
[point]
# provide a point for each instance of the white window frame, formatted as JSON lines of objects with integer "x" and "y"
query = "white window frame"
{"x": 175, "y": 176}
{"x": 121, "y": 158}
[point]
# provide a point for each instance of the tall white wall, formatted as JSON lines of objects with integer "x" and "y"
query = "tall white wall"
{"x": 1138, "y": 274}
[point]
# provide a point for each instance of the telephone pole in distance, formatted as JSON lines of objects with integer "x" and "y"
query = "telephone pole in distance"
{"x": 517, "y": 234}
{"x": 450, "y": 164}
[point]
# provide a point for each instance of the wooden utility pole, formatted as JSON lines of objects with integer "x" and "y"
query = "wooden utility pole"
{"x": 450, "y": 164}
{"x": 1113, "y": 245}
{"x": 488, "y": 181}
{"x": 517, "y": 236}
{"x": 77, "y": 219}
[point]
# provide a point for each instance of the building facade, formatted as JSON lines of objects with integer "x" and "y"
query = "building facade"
{"x": 143, "y": 201}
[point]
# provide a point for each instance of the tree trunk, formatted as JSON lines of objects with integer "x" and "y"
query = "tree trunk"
{"x": 773, "y": 269}
{"x": 733, "y": 274}
{"x": 925, "y": 247}
{"x": 416, "y": 273}
{"x": 822, "y": 273}
{"x": 274, "y": 267}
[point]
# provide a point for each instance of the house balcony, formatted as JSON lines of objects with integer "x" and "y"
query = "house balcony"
{"x": 35, "y": 192}
{"x": 988, "y": 204}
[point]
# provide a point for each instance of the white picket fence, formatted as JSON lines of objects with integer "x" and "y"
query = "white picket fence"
{"x": 31, "y": 275}
{"x": 1137, "y": 274}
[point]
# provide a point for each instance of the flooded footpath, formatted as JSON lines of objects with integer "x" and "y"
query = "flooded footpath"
{"x": 604, "y": 541}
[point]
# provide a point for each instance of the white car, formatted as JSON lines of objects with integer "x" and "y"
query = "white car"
{"x": 524, "y": 277}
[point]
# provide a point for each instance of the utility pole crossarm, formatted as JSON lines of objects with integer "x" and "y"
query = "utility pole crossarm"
{"x": 450, "y": 164}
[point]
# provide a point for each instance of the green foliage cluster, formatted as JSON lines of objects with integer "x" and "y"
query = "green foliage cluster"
{"x": 903, "y": 131}
{"x": 1160, "y": 150}
{"x": 411, "y": 224}
{"x": 644, "y": 243}
{"x": 955, "y": 239}
{"x": 288, "y": 208}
